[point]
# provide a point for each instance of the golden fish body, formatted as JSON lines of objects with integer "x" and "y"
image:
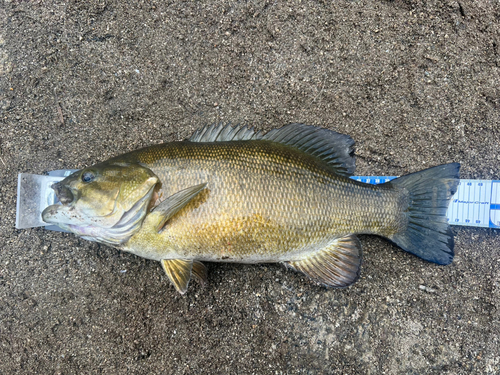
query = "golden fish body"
{"x": 232, "y": 195}
{"x": 263, "y": 203}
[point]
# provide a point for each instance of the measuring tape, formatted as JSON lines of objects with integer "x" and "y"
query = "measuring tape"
{"x": 475, "y": 204}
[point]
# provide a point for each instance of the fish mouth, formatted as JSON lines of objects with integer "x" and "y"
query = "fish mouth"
{"x": 126, "y": 226}
{"x": 63, "y": 193}
{"x": 61, "y": 213}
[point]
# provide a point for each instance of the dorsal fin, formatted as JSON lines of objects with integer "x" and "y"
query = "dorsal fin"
{"x": 334, "y": 148}
{"x": 221, "y": 133}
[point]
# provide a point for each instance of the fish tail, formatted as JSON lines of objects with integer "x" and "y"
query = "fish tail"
{"x": 428, "y": 234}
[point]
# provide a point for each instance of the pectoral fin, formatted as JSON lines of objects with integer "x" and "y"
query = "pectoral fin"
{"x": 173, "y": 204}
{"x": 337, "y": 265}
{"x": 179, "y": 272}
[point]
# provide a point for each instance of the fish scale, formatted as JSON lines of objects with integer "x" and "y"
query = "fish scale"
{"x": 286, "y": 204}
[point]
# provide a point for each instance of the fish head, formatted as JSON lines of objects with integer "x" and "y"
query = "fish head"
{"x": 105, "y": 203}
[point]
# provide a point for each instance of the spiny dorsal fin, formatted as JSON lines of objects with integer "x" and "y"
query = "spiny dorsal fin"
{"x": 337, "y": 265}
{"x": 221, "y": 133}
{"x": 334, "y": 148}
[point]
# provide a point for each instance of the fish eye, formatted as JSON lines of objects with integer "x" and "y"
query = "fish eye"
{"x": 88, "y": 177}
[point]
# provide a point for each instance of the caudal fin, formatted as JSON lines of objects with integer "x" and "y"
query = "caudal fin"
{"x": 428, "y": 234}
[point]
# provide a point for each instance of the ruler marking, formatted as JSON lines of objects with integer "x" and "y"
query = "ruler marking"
{"x": 476, "y": 192}
{"x": 469, "y": 184}
{"x": 475, "y": 208}
{"x": 485, "y": 218}
{"x": 459, "y": 206}
{"x": 480, "y": 184}
{"x": 487, "y": 198}
{"x": 465, "y": 206}
{"x": 492, "y": 201}
{"x": 451, "y": 210}
{"x": 480, "y": 208}
{"x": 495, "y": 202}
{"x": 492, "y": 217}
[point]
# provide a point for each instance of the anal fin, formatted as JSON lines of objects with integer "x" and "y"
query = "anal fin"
{"x": 337, "y": 265}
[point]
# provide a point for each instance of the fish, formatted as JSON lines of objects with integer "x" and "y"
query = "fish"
{"x": 233, "y": 194}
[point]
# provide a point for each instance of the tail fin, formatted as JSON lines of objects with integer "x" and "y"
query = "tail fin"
{"x": 428, "y": 234}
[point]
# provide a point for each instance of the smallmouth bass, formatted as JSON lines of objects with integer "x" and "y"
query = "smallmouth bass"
{"x": 231, "y": 194}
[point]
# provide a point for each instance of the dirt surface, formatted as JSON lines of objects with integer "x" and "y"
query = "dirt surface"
{"x": 416, "y": 84}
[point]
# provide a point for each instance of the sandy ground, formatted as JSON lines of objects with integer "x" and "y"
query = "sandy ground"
{"x": 416, "y": 84}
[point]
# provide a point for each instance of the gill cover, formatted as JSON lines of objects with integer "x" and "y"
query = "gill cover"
{"x": 105, "y": 203}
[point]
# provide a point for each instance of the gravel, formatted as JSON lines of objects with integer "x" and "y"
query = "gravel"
{"x": 415, "y": 83}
